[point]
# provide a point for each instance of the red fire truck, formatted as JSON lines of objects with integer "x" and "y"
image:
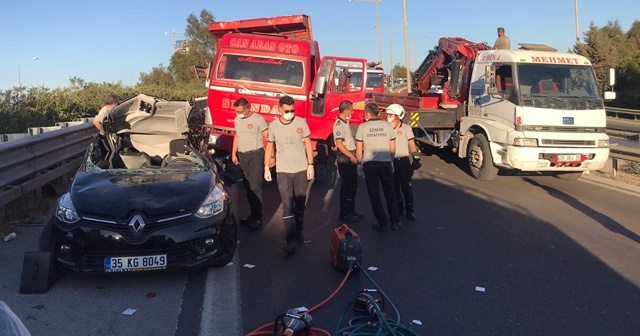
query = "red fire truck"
{"x": 263, "y": 59}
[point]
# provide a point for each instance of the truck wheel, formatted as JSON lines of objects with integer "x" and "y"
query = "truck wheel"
{"x": 480, "y": 161}
{"x": 568, "y": 176}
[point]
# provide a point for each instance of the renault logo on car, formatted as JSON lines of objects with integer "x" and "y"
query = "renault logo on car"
{"x": 137, "y": 224}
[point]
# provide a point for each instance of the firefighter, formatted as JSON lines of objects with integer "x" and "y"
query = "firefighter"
{"x": 375, "y": 148}
{"x": 402, "y": 166}
{"x": 248, "y": 151}
{"x": 294, "y": 168}
{"x": 347, "y": 163}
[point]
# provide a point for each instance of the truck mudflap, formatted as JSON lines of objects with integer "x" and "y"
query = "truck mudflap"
{"x": 552, "y": 159}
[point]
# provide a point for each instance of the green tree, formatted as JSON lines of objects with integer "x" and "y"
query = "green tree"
{"x": 159, "y": 75}
{"x": 610, "y": 47}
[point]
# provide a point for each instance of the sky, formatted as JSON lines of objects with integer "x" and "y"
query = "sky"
{"x": 113, "y": 41}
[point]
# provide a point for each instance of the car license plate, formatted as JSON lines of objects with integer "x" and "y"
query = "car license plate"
{"x": 569, "y": 158}
{"x": 130, "y": 264}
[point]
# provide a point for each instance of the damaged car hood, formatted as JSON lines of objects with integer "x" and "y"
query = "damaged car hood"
{"x": 155, "y": 194}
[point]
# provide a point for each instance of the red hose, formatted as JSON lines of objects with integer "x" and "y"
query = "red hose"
{"x": 260, "y": 330}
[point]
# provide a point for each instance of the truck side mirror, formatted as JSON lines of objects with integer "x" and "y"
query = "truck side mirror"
{"x": 611, "y": 77}
{"x": 490, "y": 79}
{"x": 320, "y": 87}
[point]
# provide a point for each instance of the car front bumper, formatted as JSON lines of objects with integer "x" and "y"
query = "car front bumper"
{"x": 187, "y": 242}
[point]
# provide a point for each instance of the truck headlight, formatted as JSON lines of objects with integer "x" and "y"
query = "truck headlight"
{"x": 525, "y": 142}
{"x": 213, "y": 204}
{"x": 603, "y": 143}
{"x": 65, "y": 211}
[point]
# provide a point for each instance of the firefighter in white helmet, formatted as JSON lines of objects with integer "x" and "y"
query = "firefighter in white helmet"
{"x": 402, "y": 165}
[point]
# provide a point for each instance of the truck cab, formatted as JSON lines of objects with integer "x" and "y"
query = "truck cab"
{"x": 263, "y": 59}
{"x": 533, "y": 110}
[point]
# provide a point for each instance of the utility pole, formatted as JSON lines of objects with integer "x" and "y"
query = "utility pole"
{"x": 173, "y": 36}
{"x": 406, "y": 45}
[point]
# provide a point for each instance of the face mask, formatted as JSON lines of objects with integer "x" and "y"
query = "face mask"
{"x": 391, "y": 119}
{"x": 288, "y": 116}
{"x": 347, "y": 118}
{"x": 241, "y": 115}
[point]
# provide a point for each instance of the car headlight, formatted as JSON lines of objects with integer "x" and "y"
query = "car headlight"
{"x": 65, "y": 211}
{"x": 603, "y": 143}
{"x": 213, "y": 205}
{"x": 525, "y": 142}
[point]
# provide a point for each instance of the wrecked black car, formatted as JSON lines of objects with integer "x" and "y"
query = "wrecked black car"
{"x": 148, "y": 196}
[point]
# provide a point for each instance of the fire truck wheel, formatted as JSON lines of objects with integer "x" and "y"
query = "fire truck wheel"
{"x": 480, "y": 161}
{"x": 568, "y": 176}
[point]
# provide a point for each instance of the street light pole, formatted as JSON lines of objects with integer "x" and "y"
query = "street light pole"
{"x": 413, "y": 40}
{"x": 577, "y": 24}
{"x": 406, "y": 45}
{"x": 390, "y": 29}
{"x": 19, "y": 78}
{"x": 377, "y": 2}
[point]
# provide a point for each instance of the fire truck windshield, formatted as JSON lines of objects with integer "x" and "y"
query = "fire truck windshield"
{"x": 374, "y": 79}
{"x": 261, "y": 69}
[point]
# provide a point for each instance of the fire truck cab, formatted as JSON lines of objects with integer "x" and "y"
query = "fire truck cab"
{"x": 263, "y": 59}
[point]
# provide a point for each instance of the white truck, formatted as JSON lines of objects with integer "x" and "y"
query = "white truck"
{"x": 531, "y": 109}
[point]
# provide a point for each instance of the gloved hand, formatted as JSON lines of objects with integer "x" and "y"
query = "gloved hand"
{"x": 310, "y": 172}
{"x": 267, "y": 174}
{"x": 416, "y": 164}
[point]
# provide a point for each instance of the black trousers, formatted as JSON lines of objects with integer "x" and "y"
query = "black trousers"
{"x": 293, "y": 192}
{"x": 348, "y": 188}
{"x": 402, "y": 183}
{"x": 378, "y": 174}
{"x": 252, "y": 164}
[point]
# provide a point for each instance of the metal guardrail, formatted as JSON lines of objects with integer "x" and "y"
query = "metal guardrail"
{"x": 31, "y": 162}
{"x": 625, "y": 153}
{"x": 616, "y": 111}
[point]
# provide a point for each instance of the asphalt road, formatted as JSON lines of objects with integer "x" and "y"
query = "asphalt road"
{"x": 554, "y": 258}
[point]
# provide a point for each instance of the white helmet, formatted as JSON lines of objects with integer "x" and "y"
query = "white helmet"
{"x": 395, "y": 109}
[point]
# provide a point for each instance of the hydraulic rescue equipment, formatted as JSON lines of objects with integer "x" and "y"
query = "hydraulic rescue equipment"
{"x": 346, "y": 251}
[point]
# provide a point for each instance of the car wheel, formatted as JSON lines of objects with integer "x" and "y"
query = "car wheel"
{"x": 568, "y": 176}
{"x": 232, "y": 244}
{"x": 480, "y": 161}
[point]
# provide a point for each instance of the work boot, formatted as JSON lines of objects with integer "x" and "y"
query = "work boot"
{"x": 299, "y": 236}
{"x": 246, "y": 221}
{"x": 411, "y": 216}
{"x": 290, "y": 247}
{"x": 255, "y": 225}
{"x": 350, "y": 218}
{"x": 357, "y": 214}
{"x": 396, "y": 225}
{"x": 379, "y": 227}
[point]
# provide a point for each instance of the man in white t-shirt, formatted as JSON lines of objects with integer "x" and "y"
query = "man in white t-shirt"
{"x": 294, "y": 166}
{"x": 110, "y": 104}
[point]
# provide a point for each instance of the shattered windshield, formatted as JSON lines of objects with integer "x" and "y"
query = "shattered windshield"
{"x": 261, "y": 69}
{"x": 100, "y": 162}
{"x": 568, "y": 87}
